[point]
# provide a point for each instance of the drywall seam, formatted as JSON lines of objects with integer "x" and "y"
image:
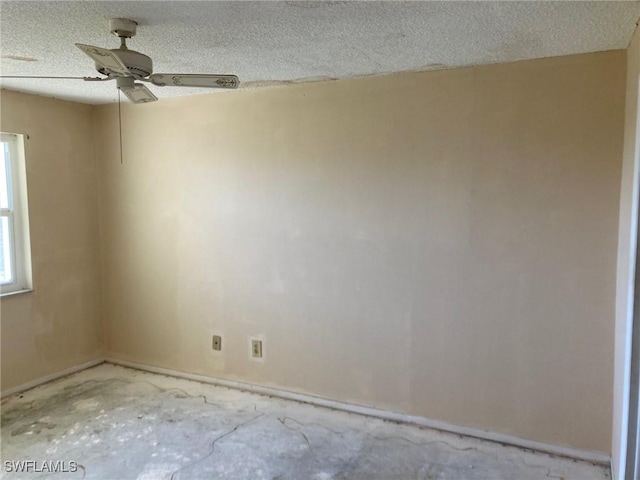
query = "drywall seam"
{"x": 49, "y": 378}
{"x": 576, "y": 454}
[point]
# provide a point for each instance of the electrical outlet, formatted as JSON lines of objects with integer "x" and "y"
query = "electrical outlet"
{"x": 256, "y": 348}
{"x": 216, "y": 343}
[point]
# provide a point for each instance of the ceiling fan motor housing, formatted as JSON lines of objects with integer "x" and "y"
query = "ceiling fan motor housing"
{"x": 138, "y": 63}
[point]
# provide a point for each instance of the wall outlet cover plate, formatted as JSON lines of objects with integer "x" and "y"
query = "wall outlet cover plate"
{"x": 257, "y": 348}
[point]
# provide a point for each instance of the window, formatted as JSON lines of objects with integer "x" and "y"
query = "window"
{"x": 15, "y": 251}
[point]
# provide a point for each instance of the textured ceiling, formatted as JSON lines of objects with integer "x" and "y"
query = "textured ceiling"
{"x": 279, "y": 42}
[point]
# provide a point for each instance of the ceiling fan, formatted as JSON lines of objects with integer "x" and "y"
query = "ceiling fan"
{"x": 128, "y": 67}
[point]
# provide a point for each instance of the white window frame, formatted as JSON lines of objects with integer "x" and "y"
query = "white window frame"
{"x": 17, "y": 213}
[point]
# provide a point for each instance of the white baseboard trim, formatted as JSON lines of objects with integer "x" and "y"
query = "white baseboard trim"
{"x": 511, "y": 440}
{"x": 52, "y": 376}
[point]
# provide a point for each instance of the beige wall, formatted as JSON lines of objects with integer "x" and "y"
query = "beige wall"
{"x": 441, "y": 244}
{"x": 58, "y": 325}
{"x": 626, "y": 259}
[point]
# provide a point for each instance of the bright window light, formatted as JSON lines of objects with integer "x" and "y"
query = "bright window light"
{"x": 15, "y": 260}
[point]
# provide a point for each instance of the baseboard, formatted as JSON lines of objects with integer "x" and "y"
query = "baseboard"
{"x": 51, "y": 377}
{"x": 576, "y": 454}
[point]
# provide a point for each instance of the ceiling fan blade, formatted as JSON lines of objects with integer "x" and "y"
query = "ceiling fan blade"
{"x": 187, "y": 80}
{"x": 139, "y": 94}
{"x": 105, "y": 58}
{"x": 37, "y": 77}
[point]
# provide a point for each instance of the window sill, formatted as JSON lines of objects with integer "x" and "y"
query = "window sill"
{"x": 17, "y": 292}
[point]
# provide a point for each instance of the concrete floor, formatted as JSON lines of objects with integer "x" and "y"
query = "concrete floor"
{"x": 118, "y": 423}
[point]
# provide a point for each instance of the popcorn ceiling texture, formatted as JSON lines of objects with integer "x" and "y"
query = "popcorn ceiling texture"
{"x": 267, "y": 43}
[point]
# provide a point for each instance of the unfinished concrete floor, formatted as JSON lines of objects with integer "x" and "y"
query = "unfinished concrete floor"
{"x": 119, "y": 423}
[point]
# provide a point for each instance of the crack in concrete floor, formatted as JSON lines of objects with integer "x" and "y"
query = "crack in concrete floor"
{"x": 213, "y": 445}
{"x": 120, "y": 423}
